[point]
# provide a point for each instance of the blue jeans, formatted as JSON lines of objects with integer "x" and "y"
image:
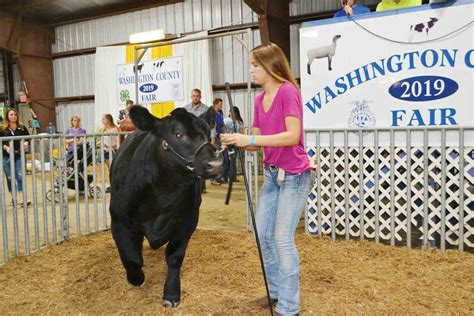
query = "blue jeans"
{"x": 18, "y": 174}
{"x": 278, "y": 213}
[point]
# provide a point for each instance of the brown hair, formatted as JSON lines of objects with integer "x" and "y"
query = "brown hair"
{"x": 216, "y": 101}
{"x": 129, "y": 102}
{"x": 110, "y": 118}
{"x": 237, "y": 115}
{"x": 274, "y": 61}
{"x": 6, "y": 121}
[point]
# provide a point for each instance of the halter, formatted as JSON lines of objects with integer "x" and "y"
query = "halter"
{"x": 189, "y": 162}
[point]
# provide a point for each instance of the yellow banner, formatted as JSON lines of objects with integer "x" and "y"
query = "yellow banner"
{"x": 157, "y": 109}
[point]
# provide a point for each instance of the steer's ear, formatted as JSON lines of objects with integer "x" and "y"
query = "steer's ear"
{"x": 142, "y": 118}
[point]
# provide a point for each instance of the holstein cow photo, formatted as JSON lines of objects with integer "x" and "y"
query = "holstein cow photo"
{"x": 156, "y": 190}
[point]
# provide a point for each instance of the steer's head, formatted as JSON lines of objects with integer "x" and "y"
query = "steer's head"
{"x": 182, "y": 141}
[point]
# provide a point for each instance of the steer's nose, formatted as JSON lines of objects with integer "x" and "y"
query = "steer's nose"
{"x": 214, "y": 167}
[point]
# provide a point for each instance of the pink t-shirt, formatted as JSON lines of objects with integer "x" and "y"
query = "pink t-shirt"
{"x": 287, "y": 102}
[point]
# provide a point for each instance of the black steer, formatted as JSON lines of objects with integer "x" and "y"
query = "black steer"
{"x": 156, "y": 190}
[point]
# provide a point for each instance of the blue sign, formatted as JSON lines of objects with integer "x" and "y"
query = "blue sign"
{"x": 423, "y": 88}
{"x": 148, "y": 88}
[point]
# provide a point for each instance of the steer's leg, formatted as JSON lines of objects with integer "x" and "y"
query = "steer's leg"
{"x": 175, "y": 251}
{"x": 129, "y": 244}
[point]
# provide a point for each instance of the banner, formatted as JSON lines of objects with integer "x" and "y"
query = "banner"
{"x": 159, "y": 80}
{"x": 400, "y": 68}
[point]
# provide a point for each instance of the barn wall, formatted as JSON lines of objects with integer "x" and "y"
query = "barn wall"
{"x": 85, "y": 110}
{"x": 74, "y": 76}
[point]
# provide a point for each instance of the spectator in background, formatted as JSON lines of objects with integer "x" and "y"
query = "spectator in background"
{"x": 110, "y": 141}
{"x": 385, "y": 5}
{"x": 199, "y": 109}
{"x": 124, "y": 123}
{"x": 230, "y": 160}
{"x": 196, "y": 107}
{"x": 123, "y": 114}
{"x": 220, "y": 128}
{"x": 74, "y": 130}
{"x": 218, "y": 121}
{"x": 12, "y": 126}
{"x": 349, "y": 7}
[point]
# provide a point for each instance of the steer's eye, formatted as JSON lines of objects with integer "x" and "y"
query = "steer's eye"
{"x": 178, "y": 135}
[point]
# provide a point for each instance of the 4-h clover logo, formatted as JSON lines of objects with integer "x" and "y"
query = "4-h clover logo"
{"x": 124, "y": 95}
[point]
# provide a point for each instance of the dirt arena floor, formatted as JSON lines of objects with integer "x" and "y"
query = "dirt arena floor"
{"x": 221, "y": 274}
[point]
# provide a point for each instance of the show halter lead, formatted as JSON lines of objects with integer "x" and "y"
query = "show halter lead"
{"x": 239, "y": 154}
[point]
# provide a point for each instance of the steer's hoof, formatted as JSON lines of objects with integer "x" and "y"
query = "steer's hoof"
{"x": 170, "y": 304}
{"x": 136, "y": 278}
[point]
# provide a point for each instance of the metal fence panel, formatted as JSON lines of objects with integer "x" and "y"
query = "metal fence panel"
{"x": 411, "y": 193}
{"x": 62, "y": 192}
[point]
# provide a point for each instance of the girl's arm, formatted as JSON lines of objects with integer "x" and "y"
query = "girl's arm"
{"x": 290, "y": 137}
{"x": 255, "y": 131}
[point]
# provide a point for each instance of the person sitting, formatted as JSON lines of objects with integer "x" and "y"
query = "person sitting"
{"x": 385, "y": 5}
{"x": 74, "y": 130}
{"x": 349, "y": 7}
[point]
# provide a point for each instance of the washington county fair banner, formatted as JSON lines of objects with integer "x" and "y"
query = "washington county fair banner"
{"x": 159, "y": 80}
{"x": 401, "y": 68}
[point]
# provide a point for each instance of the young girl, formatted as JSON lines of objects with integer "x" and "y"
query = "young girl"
{"x": 278, "y": 128}
{"x": 12, "y": 126}
{"x": 110, "y": 141}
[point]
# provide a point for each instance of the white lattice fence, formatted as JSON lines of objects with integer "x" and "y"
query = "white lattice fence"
{"x": 394, "y": 210}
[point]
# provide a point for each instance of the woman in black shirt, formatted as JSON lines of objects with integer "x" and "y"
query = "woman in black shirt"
{"x": 12, "y": 126}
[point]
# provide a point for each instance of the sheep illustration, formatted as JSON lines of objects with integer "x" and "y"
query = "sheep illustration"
{"x": 323, "y": 52}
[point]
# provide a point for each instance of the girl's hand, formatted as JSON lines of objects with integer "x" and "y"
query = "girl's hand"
{"x": 235, "y": 139}
{"x": 6, "y": 148}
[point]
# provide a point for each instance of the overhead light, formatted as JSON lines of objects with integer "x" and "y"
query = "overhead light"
{"x": 143, "y": 37}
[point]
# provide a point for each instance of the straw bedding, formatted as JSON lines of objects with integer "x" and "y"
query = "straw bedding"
{"x": 221, "y": 275}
